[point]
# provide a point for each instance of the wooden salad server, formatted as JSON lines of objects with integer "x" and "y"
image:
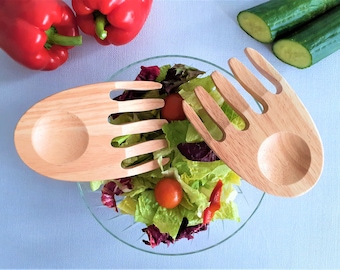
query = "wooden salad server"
{"x": 67, "y": 136}
{"x": 279, "y": 151}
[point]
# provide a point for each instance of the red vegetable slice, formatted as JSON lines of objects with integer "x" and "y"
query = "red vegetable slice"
{"x": 215, "y": 203}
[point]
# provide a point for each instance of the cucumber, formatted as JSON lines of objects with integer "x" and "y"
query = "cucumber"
{"x": 268, "y": 20}
{"x": 312, "y": 42}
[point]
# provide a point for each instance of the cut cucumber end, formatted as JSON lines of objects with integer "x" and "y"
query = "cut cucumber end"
{"x": 254, "y": 26}
{"x": 292, "y": 53}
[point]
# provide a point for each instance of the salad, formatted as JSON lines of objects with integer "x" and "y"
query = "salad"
{"x": 194, "y": 188}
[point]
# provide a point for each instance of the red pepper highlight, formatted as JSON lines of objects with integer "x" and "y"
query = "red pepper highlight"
{"x": 38, "y": 34}
{"x": 215, "y": 203}
{"x": 114, "y": 22}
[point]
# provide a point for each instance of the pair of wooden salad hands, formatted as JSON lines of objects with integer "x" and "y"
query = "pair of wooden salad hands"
{"x": 67, "y": 135}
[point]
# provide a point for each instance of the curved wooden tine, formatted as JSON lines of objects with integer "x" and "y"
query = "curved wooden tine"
{"x": 218, "y": 116}
{"x": 212, "y": 108}
{"x": 265, "y": 68}
{"x": 268, "y": 71}
{"x": 142, "y": 126}
{"x": 145, "y": 147}
{"x": 232, "y": 96}
{"x": 139, "y": 105}
{"x": 198, "y": 124}
{"x": 249, "y": 82}
{"x": 146, "y": 167}
{"x": 136, "y": 85}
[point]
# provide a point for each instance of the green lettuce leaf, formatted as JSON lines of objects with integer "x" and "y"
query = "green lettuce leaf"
{"x": 188, "y": 94}
{"x": 127, "y": 206}
{"x": 162, "y": 74}
{"x": 140, "y": 184}
{"x": 228, "y": 210}
{"x": 175, "y": 132}
{"x": 146, "y": 207}
{"x": 198, "y": 174}
{"x": 95, "y": 185}
{"x": 168, "y": 220}
{"x": 194, "y": 196}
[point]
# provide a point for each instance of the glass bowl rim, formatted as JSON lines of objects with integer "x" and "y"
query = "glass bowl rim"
{"x": 121, "y": 70}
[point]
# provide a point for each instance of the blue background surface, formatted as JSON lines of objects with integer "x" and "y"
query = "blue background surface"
{"x": 45, "y": 223}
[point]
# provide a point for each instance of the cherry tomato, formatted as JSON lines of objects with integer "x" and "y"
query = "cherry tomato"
{"x": 168, "y": 192}
{"x": 173, "y": 109}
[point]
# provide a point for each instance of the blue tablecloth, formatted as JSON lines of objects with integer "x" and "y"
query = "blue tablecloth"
{"x": 45, "y": 224}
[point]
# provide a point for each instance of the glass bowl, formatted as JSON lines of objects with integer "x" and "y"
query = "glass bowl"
{"x": 124, "y": 228}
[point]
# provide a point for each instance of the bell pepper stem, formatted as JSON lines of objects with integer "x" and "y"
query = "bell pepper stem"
{"x": 100, "y": 26}
{"x": 53, "y": 38}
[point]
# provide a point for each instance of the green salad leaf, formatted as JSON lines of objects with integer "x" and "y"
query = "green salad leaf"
{"x": 146, "y": 207}
{"x": 197, "y": 178}
{"x": 168, "y": 220}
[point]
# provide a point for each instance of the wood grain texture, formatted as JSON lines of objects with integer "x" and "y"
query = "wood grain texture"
{"x": 280, "y": 150}
{"x": 67, "y": 136}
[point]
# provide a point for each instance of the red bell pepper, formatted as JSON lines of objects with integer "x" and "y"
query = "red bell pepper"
{"x": 38, "y": 34}
{"x": 112, "y": 21}
{"x": 215, "y": 203}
